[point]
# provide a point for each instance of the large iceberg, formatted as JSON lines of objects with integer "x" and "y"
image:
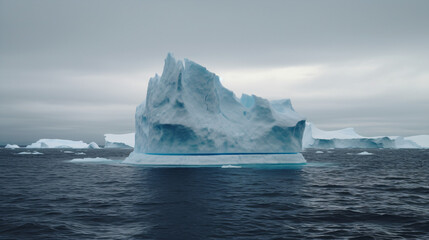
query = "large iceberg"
{"x": 57, "y": 143}
{"x": 348, "y": 138}
{"x": 190, "y": 118}
{"x": 119, "y": 140}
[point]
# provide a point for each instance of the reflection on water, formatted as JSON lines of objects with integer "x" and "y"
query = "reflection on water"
{"x": 206, "y": 202}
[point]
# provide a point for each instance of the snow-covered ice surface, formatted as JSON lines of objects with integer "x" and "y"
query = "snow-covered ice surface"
{"x": 68, "y": 152}
{"x": 119, "y": 140}
{"x": 11, "y": 146}
{"x": 188, "y": 111}
{"x": 58, "y": 143}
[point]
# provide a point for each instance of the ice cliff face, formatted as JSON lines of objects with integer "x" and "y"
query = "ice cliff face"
{"x": 188, "y": 111}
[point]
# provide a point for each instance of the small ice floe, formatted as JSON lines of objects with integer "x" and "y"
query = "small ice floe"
{"x": 319, "y": 151}
{"x": 80, "y": 153}
{"x": 90, "y": 160}
{"x": 365, "y": 153}
{"x": 28, "y": 153}
{"x": 11, "y": 146}
{"x": 230, "y": 166}
{"x": 68, "y": 152}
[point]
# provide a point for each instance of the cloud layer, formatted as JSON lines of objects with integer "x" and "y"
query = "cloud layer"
{"x": 78, "y": 69}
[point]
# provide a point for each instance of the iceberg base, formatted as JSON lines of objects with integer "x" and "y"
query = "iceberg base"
{"x": 214, "y": 159}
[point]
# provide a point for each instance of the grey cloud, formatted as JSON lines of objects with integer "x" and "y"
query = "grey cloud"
{"x": 86, "y": 56}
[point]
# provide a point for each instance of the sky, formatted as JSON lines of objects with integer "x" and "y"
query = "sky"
{"x": 78, "y": 69}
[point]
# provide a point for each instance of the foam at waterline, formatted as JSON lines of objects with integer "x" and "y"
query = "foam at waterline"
{"x": 214, "y": 159}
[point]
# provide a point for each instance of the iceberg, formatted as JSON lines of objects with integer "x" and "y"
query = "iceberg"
{"x": 119, "y": 140}
{"x": 29, "y": 153}
{"x": 364, "y": 153}
{"x": 348, "y": 138}
{"x": 11, "y": 146}
{"x": 57, "y": 143}
{"x": 91, "y": 160}
{"x": 189, "y": 118}
{"x": 93, "y": 145}
{"x": 421, "y": 140}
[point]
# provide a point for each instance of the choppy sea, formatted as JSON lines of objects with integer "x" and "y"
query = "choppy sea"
{"x": 338, "y": 194}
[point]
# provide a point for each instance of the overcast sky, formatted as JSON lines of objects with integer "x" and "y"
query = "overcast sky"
{"x": 77, "y": 69}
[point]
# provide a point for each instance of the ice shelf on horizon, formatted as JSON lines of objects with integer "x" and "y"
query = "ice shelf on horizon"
{"x": 61, "y": 143}
{"x": 188, "y": 111}
{"x": 348, "y": 138}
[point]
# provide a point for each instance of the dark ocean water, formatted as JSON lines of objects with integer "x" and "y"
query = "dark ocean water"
{"x": 337, "y": 195}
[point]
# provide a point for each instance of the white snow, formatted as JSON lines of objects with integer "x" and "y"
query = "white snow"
{"x": 188, "y": 111}
{"x": 319, "y": 151}
{"x": 80, "y": 153}
{"x": 11, "y": 146}
{"x": 27, "y": 153}
{"x": 57, "y": 143}
{"x": 119, "y": 140}
{"x": 421, "y": 140}
{"x": 68, "y": 152}
{"x": 90, "y": 160}
{"x": 364, "y": 153}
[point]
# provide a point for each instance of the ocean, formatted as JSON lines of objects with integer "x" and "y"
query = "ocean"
{"x": 338, "y": 194}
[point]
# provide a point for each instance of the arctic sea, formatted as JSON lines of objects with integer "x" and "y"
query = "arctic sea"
{"x": 337, "y": 195}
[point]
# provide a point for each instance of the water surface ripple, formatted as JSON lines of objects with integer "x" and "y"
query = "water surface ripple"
{"x": 337, "y": 195}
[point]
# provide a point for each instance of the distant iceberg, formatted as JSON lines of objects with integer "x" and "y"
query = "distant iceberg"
{"x": 30, "y": 153}
{"x": 189, "y": 118}
{"x": 365, "y": 153}
{"x": 421, "y": 140}
{"x": 57, "y": 143}
{"x": 91, "y": 160}
{"x": 93, "y": 145}
{"x": 11, "y": 146}
{"x": 348, "y": 138}
{"x": 119, "y": 140}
